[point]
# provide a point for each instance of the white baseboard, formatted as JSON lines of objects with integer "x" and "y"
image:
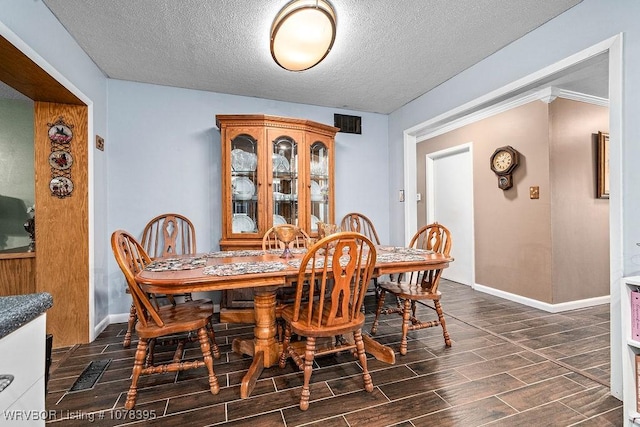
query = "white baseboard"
{"x": 551, "y": 308}
{"x": 102, "y": 325}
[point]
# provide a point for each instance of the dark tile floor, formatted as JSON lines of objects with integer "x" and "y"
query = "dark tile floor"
{"x": 510, "y": 365}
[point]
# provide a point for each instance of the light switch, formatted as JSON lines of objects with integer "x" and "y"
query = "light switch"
{"x": 534, "y": 192}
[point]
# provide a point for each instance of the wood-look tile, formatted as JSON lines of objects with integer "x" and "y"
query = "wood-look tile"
{"x": 601, "y": 373}
{"x": 589, "y": 359}
{"x": 333, "y": 406}
{"x": 403, "y": 388}
{"x": 497, "y": 351}
{"x": 198, "y": 417}
{"x": 538, "y": 372}
{"x": 471, "y": 414}
{"x": 108, "y": 417}
{"x": 397, "y": 411}
{"x": 289, "y": 398}
{"x": 553, "y": 414}
{"x": 587, "y": 383}
{"x": 558, "y": 338}
{"x": 431, "y": 372}
{"x": 532, "y": 357}
{"x": 271, "y": 419}
{"x": 613, "y": 418}
{"x": 541, "y": 392}
{"x": 592, "y": 402}
{"x": 494, "y": 366}
{"x": 442, "y": 363}
{"x": 535, "y": 332}
{"x": 338, "y": 421}
{"x": 379, "y": 377}
{"x": 462, "y": 343}
{"x": 318, "y": 374}
{"x": 462, "y": 393}
{"x": 577, "y": 347}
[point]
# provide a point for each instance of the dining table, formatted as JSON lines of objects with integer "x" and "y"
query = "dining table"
{"x": 265, "y": 272}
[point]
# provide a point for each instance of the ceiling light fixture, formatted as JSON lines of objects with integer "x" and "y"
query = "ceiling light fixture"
{"x": 302, "y": 34}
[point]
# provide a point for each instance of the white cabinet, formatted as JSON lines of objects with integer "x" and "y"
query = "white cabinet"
{"x": 22, "y": 356}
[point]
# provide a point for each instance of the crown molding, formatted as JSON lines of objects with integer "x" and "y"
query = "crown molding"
{"x": 547, "y": 95}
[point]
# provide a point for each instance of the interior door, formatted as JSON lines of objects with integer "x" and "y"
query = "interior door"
{"x": 450, "y": 202}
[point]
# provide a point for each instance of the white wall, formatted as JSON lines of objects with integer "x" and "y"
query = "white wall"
{"x": 164, "y": 155}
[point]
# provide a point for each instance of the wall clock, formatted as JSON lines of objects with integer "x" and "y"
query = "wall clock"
{"x": 503, "y": 162}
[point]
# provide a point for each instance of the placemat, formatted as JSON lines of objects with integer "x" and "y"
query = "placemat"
{"x": 236, "y": 268}
{"x": 167, "y": 264}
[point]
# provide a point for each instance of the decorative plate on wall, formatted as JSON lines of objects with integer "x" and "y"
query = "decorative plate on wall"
{"x": 61, "y": 186}
{"x": 60, "y": 133}
{"x": 60, "y": 160}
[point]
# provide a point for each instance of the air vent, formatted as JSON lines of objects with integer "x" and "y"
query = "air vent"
{"x": 348, "y": 124}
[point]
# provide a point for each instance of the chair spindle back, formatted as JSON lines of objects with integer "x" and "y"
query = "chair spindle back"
{"x": 132, "y": 258}
{"x": 340, "y": 267}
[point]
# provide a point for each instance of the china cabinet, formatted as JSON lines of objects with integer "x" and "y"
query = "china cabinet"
{"x": 275, "y": 170}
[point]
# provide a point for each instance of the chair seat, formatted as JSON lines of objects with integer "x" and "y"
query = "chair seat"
{"x": 301, "y": 327}
{"x": 409, "y": 291}
{"x": 183, "y": 317}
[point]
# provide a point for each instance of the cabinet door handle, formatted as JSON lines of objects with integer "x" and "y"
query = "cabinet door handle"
{"x": 5, "y": 381}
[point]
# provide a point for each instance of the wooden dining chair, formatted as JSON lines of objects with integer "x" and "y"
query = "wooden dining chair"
{"x": 154, "y": 321}
{"x": 165, "y": 235}
{"x": 271, "y": 241}
{"x": 169, "y": 234}
{"x": 360, "y": 223}
{"x": 340, "y": 267}
{"x": 418, "y": 286}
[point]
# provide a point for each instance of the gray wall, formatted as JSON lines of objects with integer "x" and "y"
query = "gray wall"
{"x": 16, "y": 171}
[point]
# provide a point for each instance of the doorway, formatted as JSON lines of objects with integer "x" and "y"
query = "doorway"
{"x": 518, "y": 91}
{"x": 449, "y": 198}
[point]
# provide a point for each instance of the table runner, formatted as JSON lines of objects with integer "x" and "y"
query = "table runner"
{"x": 236, "y": 268}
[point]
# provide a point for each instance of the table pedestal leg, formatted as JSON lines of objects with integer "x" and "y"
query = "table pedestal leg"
{"x": 264, "y": 347}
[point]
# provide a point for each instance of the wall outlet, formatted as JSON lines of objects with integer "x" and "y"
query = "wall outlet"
{"x": 418, "y": 197}
{"x": 534, "y": 192}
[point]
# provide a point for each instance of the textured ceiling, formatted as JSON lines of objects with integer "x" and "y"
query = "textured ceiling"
{"x": 386, "y": 53}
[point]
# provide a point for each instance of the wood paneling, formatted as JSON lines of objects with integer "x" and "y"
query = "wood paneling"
{"x": 21, "y": 73}
{"x": 62, "y": 236}
{"x": 17, "y": 275}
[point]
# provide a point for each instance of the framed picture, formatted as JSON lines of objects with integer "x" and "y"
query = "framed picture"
{"x": 603, "y": 165}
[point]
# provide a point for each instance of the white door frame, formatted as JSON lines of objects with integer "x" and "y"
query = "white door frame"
{"x": 446, "y": 121}
{"x": 430, "y": 194}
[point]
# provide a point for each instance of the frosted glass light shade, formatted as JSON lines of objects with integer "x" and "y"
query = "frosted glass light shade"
{"x": 302, "y": 34}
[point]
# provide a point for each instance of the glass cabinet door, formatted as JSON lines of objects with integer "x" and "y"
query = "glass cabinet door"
{"x": 244, "y": 184}
{"x": 320, "y": 184}
{"x": 284, "y": 155}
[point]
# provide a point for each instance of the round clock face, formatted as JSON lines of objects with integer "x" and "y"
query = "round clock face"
{"x": 502, "y": 161}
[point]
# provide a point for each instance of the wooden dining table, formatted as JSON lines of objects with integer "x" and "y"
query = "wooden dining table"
{"x": 265, "y": 272}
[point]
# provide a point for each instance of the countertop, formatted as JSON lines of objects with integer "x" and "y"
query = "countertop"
{"x": 17, "y": 310}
